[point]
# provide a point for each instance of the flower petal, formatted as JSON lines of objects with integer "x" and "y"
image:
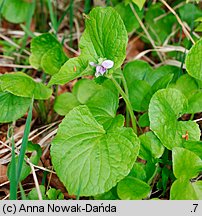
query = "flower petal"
{"x": 107, "y": 64}
{"x": 97, "y": 74}
{"x": 100, "y": 69}
{"x": 92, "y": 64}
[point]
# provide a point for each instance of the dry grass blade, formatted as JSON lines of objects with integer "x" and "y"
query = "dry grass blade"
{"x": 17, "y": 152}
{"x": 164, "y": 49}
{"x": 145, "y": 30}
{"x": 197, "y": 120}
{"x": 172, "y": 63}
{"x": 165, "y": 14}
{"x": 5, "y": 152}
{"x": 16, "y": 66}
{"x": 179, "y": 21}
{"x": 36, "y": 182}
{"x": 13, "y": 44}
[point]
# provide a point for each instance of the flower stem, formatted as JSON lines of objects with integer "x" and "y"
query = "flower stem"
{"x": 126, "y": 92}
{"x": 128, "y": 104}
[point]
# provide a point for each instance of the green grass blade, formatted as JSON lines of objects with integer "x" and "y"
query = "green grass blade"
{"x": 87, "y": 6}
{"x": 43, "y": 182}
{"x": 62, "y": 17}
{"x": 13, "y": 181}
{"x": 26, "y": 28}
{"x": 23, "y": 195}
{"x": 27, "y": 31}
{"x": 108, "y": 2}
{"x": 29, "y": 20}
{"x": 24, "y": 141}
{"x": 2, "y": 4}
{"x": 1, "y": 7}
{"x": 52, "y": 16}
{"x": 71, "y": 21}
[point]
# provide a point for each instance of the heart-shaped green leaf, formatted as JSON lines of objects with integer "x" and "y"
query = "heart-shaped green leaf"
{"x": 47, "y": 53}
{"x": 109, "y": 195}
{"x": 138, "y": 171}
{"x": 183, "y": 189}
{"x": 138, "y": 70}
{"x": 163, "y": 71}
{"x": 193, "y": 65}
{"x": 194, "y": 146}
{"x": 128, "y": 17}
{"x": 139, "y": 3}
{"x": 189, "y": 10}
{"x": 132, "y": 189}
{"x": 88, "y": 159}
{"x": 54, "y": 194}
{"x": 186, "y": 164}
{"x": 105, "y": 37}
{"x": 150, "y": 146}
{"x": 23, "y": 85}
{"x": 139, "y": 95}
{"x": 186, "y": 84}
{"x": 165, "y": 107}
{"x": 65, "y": 102}
{"x": 143, "y": 82}
{"x": 72, "y": 69}
{"x": 162, "y": 83}
{"x": 12, "y": 107}
{"x": 195, "y": 102}
{"x": 102, "y": 100}
{"x": 191, "y": 89}
{"x": 143, "y": 120}
{"x": 16, "y": 11}
{"x": 33, "y": 194}
{"x": 159, "y": 29}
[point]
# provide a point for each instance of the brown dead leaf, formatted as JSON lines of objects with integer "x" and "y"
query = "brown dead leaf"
{"x": 3, "y": 176}
{"x": 135, "y": 46}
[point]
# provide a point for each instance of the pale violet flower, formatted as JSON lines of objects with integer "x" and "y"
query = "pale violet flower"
{"x": 103, "y": 67}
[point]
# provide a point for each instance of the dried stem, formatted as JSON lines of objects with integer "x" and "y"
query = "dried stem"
{"x": 145, "y": 30}
{"x": 179, "y": 21}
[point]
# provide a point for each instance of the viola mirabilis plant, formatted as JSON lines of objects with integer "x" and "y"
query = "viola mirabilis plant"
{"x": 94, "y": 153}
{"x": 97, "y": 152}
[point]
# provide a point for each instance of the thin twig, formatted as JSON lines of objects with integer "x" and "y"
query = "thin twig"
{"x": 6, "y": 197}
{"x": 32, "y": 136}
{"x": 13, "y": 44}
{"x": 78, "y": 33}
{"x": 197, "y": 120}
{"x": 49, "y": 180}
{"x": 149, "y": 60}
{"x": 52, "y": 133}
{"x": 16, "y": 32}
{"x": 169, "y": 36}
{"x": 7, "y": 182}
{"x": 162, "y": 49}
{"x": 41, "y": 132}
{"x": 172, "y": 62}
{"x": 71, "y": 49}
{"x": 36, "y": 182}
{"x": 189, "y": 29}
{"x": 144, "y": 29}
{"x": 17, "y": 152}
{"x": 16, "y": 66}
{"x": 7, "y": 57}
{"x": 179, "y": 21}
{"x": 165, "y": 14}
